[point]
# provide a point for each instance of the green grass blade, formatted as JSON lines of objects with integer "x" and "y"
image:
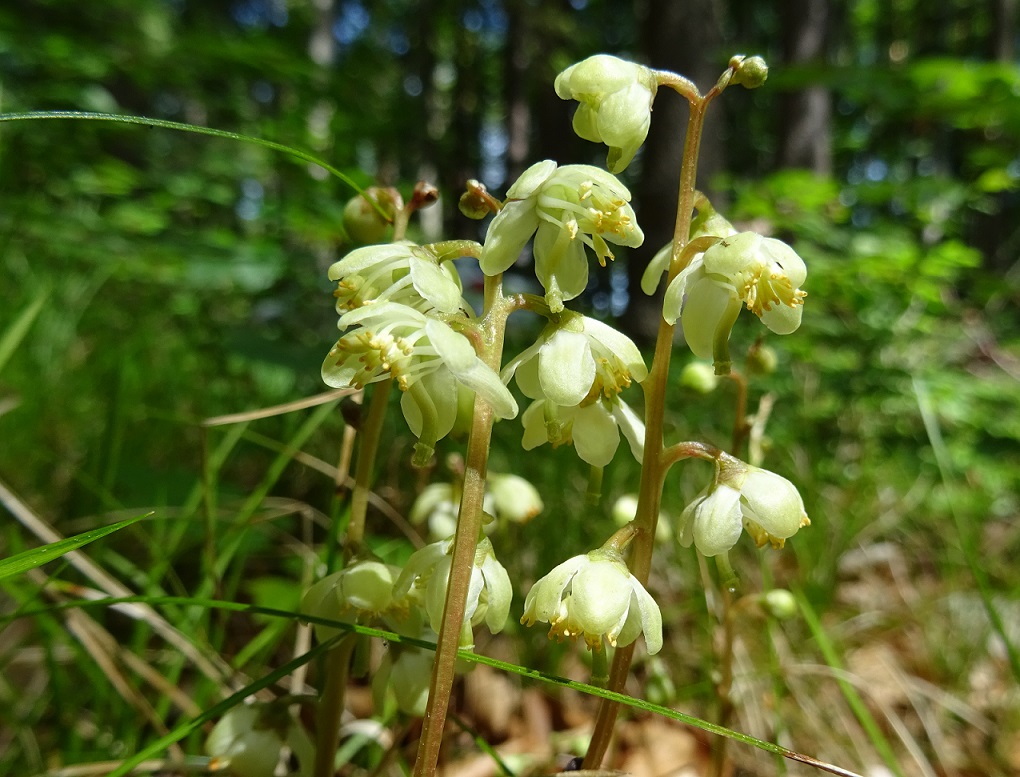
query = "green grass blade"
{"x": 36, "y": 557}
{"x": 182, "y": 127}
{"x": 853, "y": 699}
{"x": 16, "y": 332}
{"x": 966, "y": 537}
{"x": 216, "y": 710}
{"x": 390, "y": 636}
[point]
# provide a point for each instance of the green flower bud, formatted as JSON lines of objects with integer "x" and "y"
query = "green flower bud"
{"x": 362, "y": 589}
{"x": 780, "y": 604}
{"x": 700, "y": 377}
{"x": 362, "y": 219}
{"x": 513, "y": 498}
{"x": 750, "y": 72}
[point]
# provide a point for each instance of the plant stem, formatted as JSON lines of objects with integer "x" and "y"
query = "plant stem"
{"x": 725, "y": 684}
{"x": 370, "y": 433}
{"x": 654, "y": 463}
{"x": 331, "y": 706}
{"x": 469, "y": 524}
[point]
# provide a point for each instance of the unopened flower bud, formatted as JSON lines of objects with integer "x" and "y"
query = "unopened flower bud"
{"x": 700, "y": 377}
{"x": 750, "y": 73}
{"x": 476, "y": 203}
{"x": 362, "y": 219}
{"x": 780, "y": 604}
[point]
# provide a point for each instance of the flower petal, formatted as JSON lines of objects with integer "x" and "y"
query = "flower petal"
{"x": 566, "y": 368}
{"x": 543, "y": 600}
{"x": 600, "y": 596}
{"x": 717, "y": 521}
{"x": 596, "y": 436}
{"x": 708, "y": 302}
{"x": 772, "y": 502}
{"x": 457, "y": 354}
{"x": 507, "y": 235}
{"x": 632, "y": 426}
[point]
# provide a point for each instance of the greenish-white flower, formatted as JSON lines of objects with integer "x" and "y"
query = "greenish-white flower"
{"x": 426, "y": 356}
{"x": 708, "y": 223}
{"x": 407, "y": 675}
{"x": 247, "y": 740}
{"x": 574, "y": 359}
{"x": 742, "y": 496}
{"x": 514, "y": 499}
{"x": 396, "y": 272}
{"x": 615, "y": 108}
{"x": 426, "y": 577}
{"x": 593, "y": 429}
{"x": 761, "y": 273}
{"x": 596, "y": 597}
{"x": 565, "y": 209}
{"x": 363, "y": 589}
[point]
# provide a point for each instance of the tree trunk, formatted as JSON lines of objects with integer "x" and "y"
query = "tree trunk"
{"x": 805, "y": 132}
{"x": 685, "y": 38}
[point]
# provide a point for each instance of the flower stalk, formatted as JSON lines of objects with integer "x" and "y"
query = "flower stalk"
{"x": 655, "y": 463}
{"x": 497, "y": 309}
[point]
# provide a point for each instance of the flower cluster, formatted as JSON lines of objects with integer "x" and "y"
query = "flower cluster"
{"x": 565, "y": 209}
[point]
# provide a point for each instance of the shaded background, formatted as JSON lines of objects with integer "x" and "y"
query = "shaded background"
{"x": 179, "y": 277}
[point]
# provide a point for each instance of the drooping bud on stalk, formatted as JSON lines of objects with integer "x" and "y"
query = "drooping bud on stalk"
{"x": 363, "y": 220}
{"x": 750, "y": 72}
{"x": 476, "y": 203}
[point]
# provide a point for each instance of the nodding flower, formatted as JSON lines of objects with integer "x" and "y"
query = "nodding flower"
{"x": 615, "y": 108}
{"x": 742, "y": 496}
{"x": 565, "y": 209}
{"x": 427, "y": 358}
{"x": 746, "y": 269}
{"x": 596, "y": 597}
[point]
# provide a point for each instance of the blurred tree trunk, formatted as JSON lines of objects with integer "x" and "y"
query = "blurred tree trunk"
{"x": 1005, "y": 31}
{"x": 805, "y": 131}
{"x": 685, "y": 38}
{"x": 516, "y": 65}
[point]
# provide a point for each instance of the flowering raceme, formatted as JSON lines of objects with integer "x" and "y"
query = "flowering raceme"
{"x": 615, "y": 108}
{"x": 565, "y": 208}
